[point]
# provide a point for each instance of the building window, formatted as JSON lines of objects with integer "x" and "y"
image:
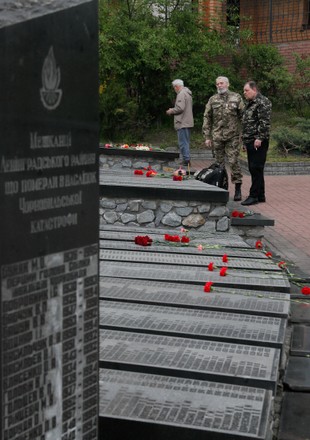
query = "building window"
{"x": 233, "y": 12}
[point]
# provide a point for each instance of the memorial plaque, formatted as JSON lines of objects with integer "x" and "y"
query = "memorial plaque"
{"x": 300, "y": 343}
{"x": 191, "y": 358}
{"x": 136, "y": 405}
{"x": 212, "y": 241}
{"x": 201, "y": 324}
{"x": 135, "y": 187}
{"x": 49, "y": 220}
{"x": 300, "y": 311}
{"x": 294, "y": 421}
{"x": 190, "y": 250}
{"x": 172, "y": 231}
{"x": 297, "y": 374}
{"x": 275, "y": 282}
{"x": 187, "y": 260}
{"x": 223, "y": 299}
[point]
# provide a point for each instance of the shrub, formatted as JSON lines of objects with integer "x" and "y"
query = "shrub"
{"x": 264, "y": 64}
{"x": 295, "y": 138}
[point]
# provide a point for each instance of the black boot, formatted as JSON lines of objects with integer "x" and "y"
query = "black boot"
{"x": 237, "y": 196}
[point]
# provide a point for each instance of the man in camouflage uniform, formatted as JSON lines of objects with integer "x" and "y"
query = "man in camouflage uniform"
{"x": 222, "y": 129}
{"x": 255, "y": 136}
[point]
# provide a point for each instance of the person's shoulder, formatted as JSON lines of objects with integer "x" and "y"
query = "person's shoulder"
{"x": 186, "y": 91}
{"x": 234, "y": 94}
{"x": 215, "y": 97}
{"x": 263, "y": 100}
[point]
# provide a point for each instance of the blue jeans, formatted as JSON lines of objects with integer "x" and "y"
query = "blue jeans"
{"x": 183, "y": 140}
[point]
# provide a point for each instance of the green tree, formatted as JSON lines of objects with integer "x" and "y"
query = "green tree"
{"x": 144, "y": 45}
{"x": 263, "y": 63}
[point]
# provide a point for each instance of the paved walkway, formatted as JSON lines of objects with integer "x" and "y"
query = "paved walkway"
{"x": 288, "y": 203}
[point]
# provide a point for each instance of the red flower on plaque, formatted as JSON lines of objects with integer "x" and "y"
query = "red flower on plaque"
{"x": 177, "y": 178}
{"x": 258, "y": 244}
{"x": 305, "y": 290}
{"x": 150, "y": 173}
{"x": 268, "y": 254}
{"x": 185, "y": 239}
{"x": 223, "y": 272}
{"x": 208, "y": 287}
{"x": 108, "y": 146}
{"x": 138, "y": 172}
{"x": 238, "y": 214}
{"x": 211, "y": 267}
{"x": 225, "y": 258}
{"x": 173, "y": 238}
{"x": 143, "y": 240}
{"x": 282, "y": 264}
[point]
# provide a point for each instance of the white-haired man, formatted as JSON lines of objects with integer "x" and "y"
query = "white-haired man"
{"x": 222, "y": 129}
{"x": 183, "y": 118}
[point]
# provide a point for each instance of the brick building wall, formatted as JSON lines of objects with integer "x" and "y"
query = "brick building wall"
{"x": 283, "y": 23}
{"x": 289, "y": 49}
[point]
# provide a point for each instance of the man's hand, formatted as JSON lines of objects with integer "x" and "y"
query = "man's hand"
{"x": 208, "y": 143}
{"x": 257, "y": 143}
{"x": 169, "y": 111}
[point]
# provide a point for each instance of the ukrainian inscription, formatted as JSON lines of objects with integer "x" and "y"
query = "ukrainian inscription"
{"x": 49, "y": 221}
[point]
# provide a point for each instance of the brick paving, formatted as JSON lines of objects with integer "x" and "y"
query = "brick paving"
{"x": 288, "y": 203}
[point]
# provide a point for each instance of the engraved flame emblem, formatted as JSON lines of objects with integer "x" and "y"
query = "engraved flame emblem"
{"x": 50, "y": 73}
{"x": 50, "y": 93}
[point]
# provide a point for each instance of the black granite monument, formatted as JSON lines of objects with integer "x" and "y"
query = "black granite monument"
{"x": 49, "y": 220}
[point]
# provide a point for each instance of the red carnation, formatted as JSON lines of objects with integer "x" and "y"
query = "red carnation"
{"x": 174, "y": 238}
{"x": 150, "y": 173}
{"x": 282, "y": 264}
{"x": 211, "y": 267}
{"x": 143, "y": 240}
{"x": 185, "y": 239}
{"x": 268, "y": 254}
{"x": 241, "y": 214}
{"x": 225, "y": 258}
{"x": 235, "y": 214}
{"x": 208, "y": 287}
{"x": 223, "y": 271}
{"x": 177, "y": 178}
{"x": 305, "y": 290}
{"x": 258, "y": 244}
{"x": 138, "y": 172}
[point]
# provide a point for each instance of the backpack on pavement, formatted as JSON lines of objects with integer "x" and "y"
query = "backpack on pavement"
{"x": 215, "y": 175}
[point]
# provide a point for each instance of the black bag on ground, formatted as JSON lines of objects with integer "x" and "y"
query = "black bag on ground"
{"x": 215, "y": 174}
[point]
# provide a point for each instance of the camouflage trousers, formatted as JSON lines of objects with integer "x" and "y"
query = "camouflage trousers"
{"x": 229, "y": 150}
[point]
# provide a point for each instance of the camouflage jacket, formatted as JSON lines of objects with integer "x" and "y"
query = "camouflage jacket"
{"x": 222, "y": 116}
{"x": 256, "y": 119}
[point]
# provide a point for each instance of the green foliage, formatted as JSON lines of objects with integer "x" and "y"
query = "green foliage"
{"x": 299, "y": 93}
{"x": 264, "y": 64}
{"x": 296, "y": 138}
{"x": 141, "y": 53}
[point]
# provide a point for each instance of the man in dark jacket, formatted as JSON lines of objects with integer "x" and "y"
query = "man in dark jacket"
{"x": 255, "y": 136}
{"x": 183, "y": 118}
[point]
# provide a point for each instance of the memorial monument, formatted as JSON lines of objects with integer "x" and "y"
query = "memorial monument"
{"x": 49, "y": 220}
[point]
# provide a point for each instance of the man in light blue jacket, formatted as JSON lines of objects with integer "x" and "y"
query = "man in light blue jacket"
{"x": 183, "y": 118}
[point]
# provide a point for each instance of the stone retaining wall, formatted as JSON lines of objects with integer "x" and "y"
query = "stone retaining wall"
{"x": 126, "y": 159}
{"x": 209, "y": 216}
